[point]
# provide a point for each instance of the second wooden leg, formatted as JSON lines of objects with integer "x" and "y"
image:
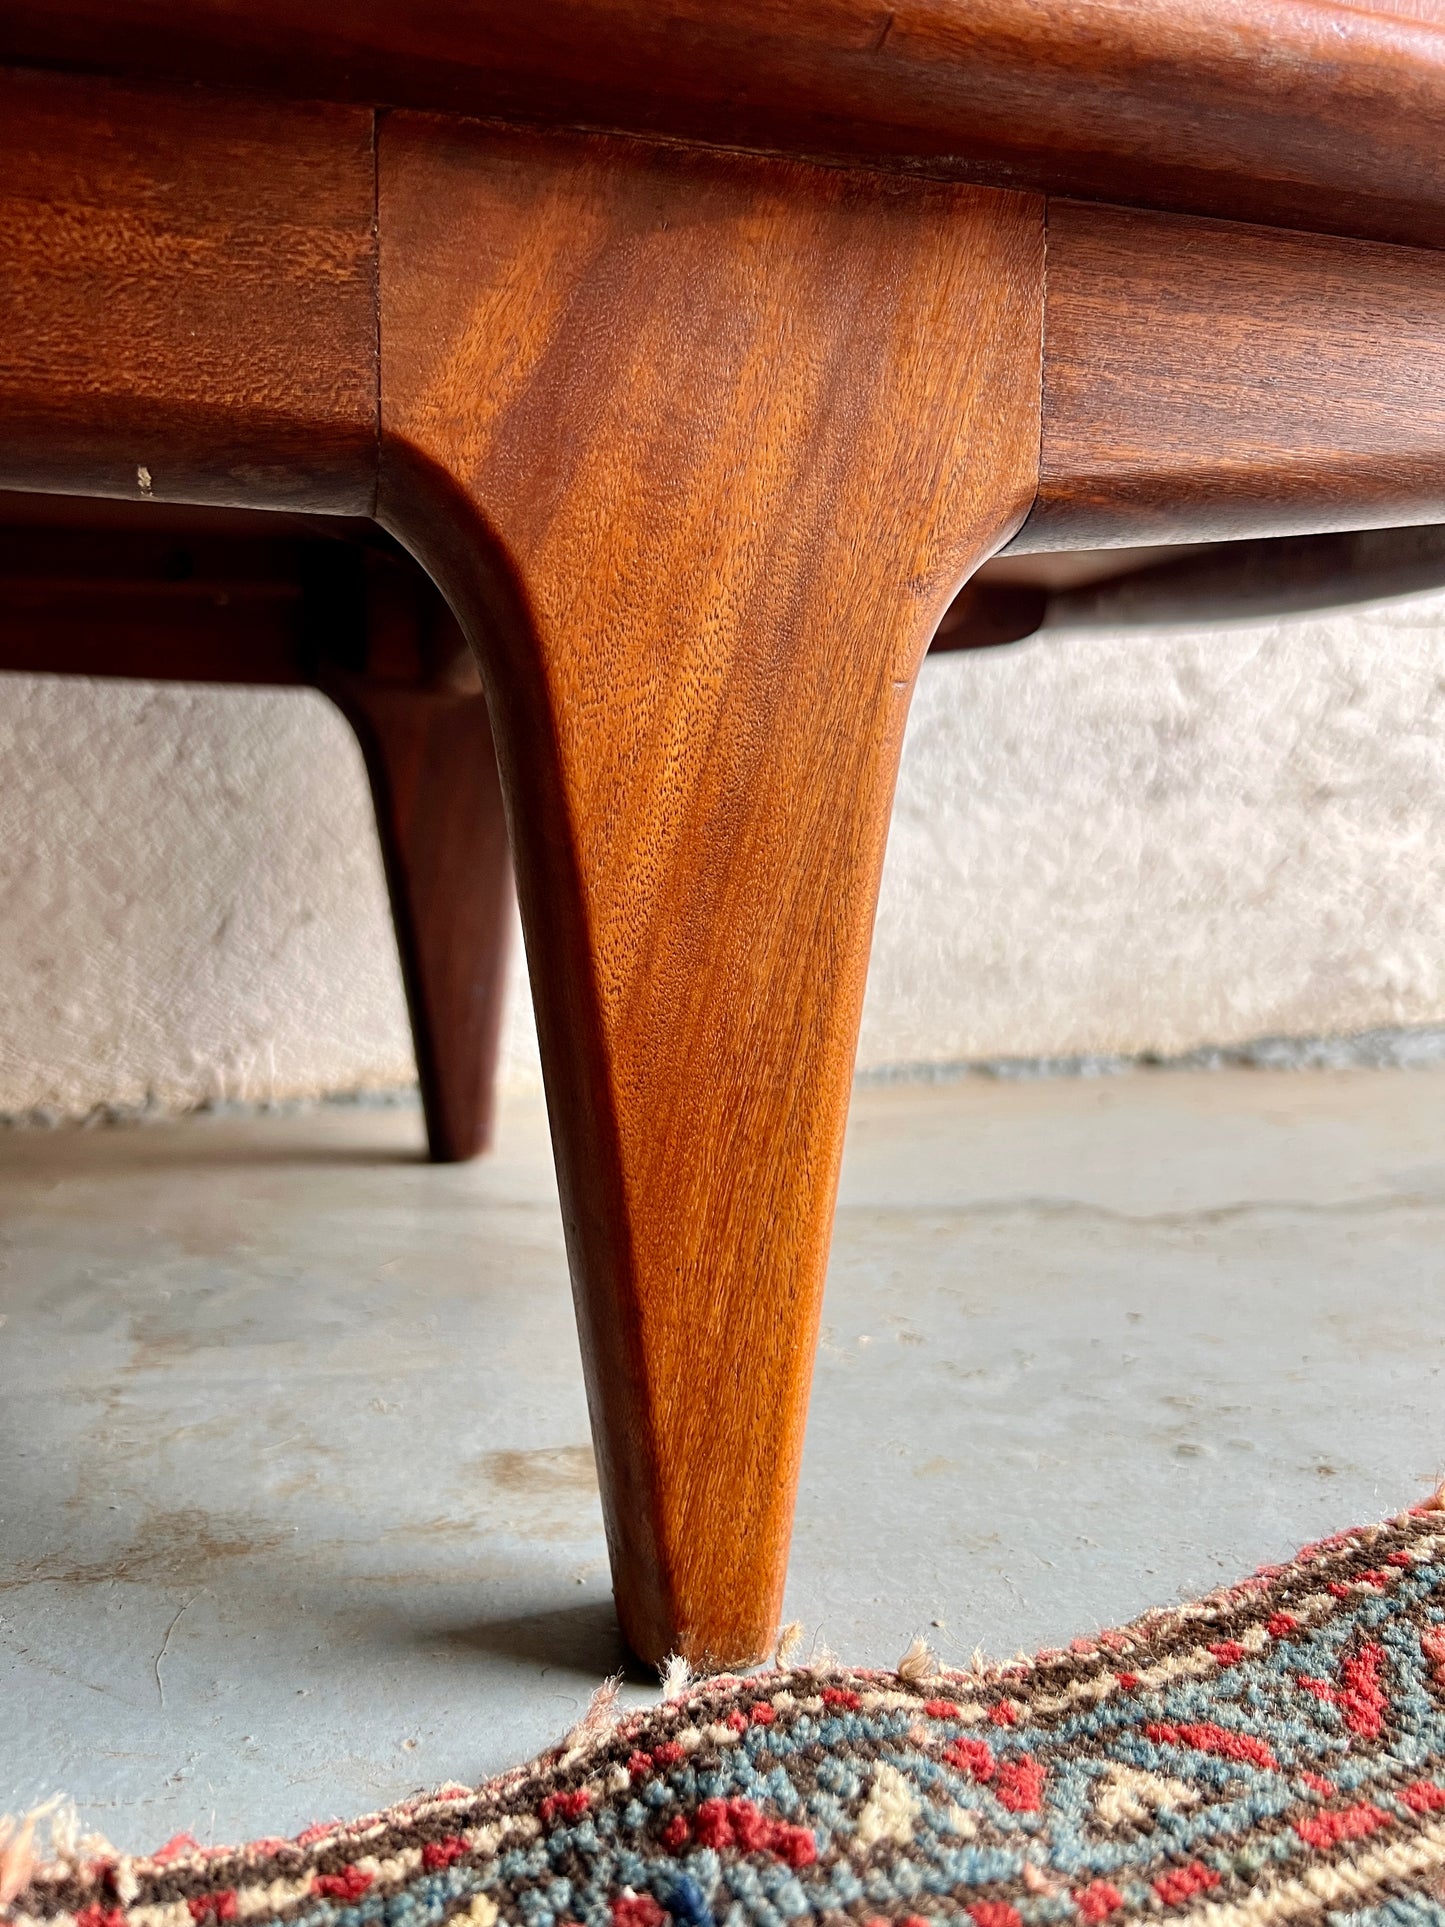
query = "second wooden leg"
{"x": 438, "y": 801}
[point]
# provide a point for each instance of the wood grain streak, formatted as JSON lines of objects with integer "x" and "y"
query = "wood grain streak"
{"x": 700, "y": 449}
{"x": 187, "y": 291}
{"x": 1207, "y": 380}
{"x": 1299, "y": 112}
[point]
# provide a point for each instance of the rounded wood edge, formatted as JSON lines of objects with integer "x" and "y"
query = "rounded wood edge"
{"x": 1302, "y": 112}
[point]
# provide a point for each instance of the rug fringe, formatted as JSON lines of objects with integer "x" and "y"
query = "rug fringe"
{"x": 42, "y": 1848}
{"x": 603, "y": 1713}
{"x": 789, "y": 1640}
{"x": 919, "y": 1662}
{"x": 676, "y": 1677}
{"x": 47, "y": 1834}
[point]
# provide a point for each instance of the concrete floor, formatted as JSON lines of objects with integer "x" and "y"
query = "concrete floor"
{"x": 296, "y": 1499}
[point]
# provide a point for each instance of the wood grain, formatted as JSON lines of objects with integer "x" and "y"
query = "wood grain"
{"x": 1205, "y": 380}
{"x": 700, "y": 448}
{"x": 187, "y": 301}
{"x": 1298, "y": 112}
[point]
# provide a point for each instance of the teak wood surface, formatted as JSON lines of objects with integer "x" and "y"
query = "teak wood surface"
{"x": 701, "y": 449}
{"x": 700, "y": 444}
{"x": 1307, "y": 113}
{"x": 1205, "y": 380}
{"x": 187, "y": 299}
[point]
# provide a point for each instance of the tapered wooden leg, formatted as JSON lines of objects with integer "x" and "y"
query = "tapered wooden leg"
{"x": 700, "y": 448}
{"x": 443, "y": 837}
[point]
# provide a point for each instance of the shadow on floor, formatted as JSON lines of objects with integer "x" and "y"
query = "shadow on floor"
{"x": 583, "y": 1638}
{"x": 141, "y": 1147}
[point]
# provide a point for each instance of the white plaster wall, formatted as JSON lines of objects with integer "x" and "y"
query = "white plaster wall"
{"x": 1103, "y": 844}
{"x": 1130, "y": 843}
{"x": 191, "y": 900}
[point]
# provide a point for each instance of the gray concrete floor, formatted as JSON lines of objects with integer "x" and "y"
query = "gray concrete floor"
{"x": 296, "y": 1504}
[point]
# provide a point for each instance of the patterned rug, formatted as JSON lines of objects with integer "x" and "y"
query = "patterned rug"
{"x": 1275, "y": 1753}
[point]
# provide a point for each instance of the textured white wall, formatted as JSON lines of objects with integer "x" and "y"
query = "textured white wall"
{"x": 1103, "y": 844}
{"x": 191, "y": 900}
{"x": 1130, "y": 843}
